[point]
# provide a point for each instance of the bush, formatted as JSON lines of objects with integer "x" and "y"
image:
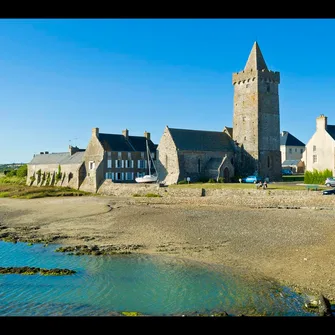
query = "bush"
{"x": 22, "y": 171}
{"x": 317, "y": 177}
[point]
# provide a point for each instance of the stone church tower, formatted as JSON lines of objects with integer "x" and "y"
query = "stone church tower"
{"x": 256, "y": 122}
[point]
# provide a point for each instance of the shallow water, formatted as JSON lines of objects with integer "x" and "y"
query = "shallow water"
{"x": 150, "y": 285}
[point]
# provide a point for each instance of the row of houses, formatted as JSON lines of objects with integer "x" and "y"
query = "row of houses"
{"x": 254, "y": 145}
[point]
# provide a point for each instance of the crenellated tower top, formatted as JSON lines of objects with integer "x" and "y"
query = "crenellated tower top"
{"x": 255, "y": 66}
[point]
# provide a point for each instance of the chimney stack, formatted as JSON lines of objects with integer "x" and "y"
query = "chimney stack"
{"x": 95, "y": 132}
{"x": 147, "y": 135}
{"x": 321, "y": 122}
{"x": 125, "y": 133}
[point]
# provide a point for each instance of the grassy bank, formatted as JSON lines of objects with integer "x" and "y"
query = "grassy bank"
{"x": 15, "y": 187}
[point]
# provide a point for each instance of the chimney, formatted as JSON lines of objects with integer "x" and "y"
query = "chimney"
{"x": 95, "y": 132}
{"x": 321, "y": 122}
{"x": 125, "y": 133}
{"x": 147, "y": 135}
{"x": 73, "y": 150}
{"x": 41, "y": 152}
{"x": 46, "y": 152}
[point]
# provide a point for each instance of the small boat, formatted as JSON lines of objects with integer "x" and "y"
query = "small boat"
{"x": 148, "y": 178}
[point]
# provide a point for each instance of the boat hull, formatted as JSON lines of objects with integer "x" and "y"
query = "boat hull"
{"x": 146, "y": 179}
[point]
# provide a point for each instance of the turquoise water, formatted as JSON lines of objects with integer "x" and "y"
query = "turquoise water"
{"x": 154, "y": 286}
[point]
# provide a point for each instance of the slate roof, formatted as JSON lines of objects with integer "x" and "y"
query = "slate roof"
{"x": 288, "y": 139}
{"x": 116, "y": 142}
{"x": 201, "y": 140}
{"x": 58, "y": 158}
{"x": 291, "y": 162}
{"x": 331, "y": 130}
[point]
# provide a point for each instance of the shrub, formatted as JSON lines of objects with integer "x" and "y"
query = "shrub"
{"x": 316, "y": 176}
{"x": 211, "y": 180}
{"x": 22, "y": 171}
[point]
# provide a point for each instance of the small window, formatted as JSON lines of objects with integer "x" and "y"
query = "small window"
{"x": 109, "y": 154}
{"x": 129, "y": 155}
{"x": 314, "y": 147}
{"x": 142, "y": 155}
{"x": 301, "y": 151}
{"x": 91, "y": 165}
{"x": 290, "y": 150}
{"x": 268, "y": 88}
{"x": 315, "y": 158}
{"x": 119, "y": 155}
{"x": 109, "y": 163}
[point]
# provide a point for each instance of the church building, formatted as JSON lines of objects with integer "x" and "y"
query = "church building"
{"x": 251, "y": 146}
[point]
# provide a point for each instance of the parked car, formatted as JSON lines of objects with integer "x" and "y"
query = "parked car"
{"x": 251, "y": 179}
{"x": 330, "y": 181}
{"x": 286, "y": 172}
{"x": 331, "y": 191}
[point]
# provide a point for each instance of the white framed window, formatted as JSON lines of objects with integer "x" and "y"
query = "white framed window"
{"x": 91, "y": 165}
{"x": 119, "y": 176}
{"x": 142, "y": 164}
{"x": 129, "y": 155}
{"x": 129, "y": 175}
{"x": 142, "y": 155}
{"x": 119, "y": 155}
{"x": 109, "y": 163}
{"x": 315, "y": 158}
{"x": 109, "y": 154}
{"x": 109, "y": 175}
{"x": 129, "y": 164}
{"x": 119, "y": 163}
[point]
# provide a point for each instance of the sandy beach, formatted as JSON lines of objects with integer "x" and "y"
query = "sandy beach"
{"x": 289, "y": 239}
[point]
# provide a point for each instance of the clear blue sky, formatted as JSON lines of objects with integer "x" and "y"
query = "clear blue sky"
{"x": 59, "y": 78}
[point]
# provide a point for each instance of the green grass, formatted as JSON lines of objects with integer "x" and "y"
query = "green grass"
{"x": 15, "y": 187}
{"x": 271, "y": 186}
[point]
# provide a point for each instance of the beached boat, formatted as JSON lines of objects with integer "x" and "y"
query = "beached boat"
{"x": 150, "y": 177}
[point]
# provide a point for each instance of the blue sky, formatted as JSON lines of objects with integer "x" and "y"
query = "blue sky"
{"x": 59, "y": 78}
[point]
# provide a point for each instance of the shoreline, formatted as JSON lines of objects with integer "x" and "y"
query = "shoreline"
{"x": 288, "y": 239}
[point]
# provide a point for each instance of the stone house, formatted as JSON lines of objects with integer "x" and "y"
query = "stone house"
{"x": 251, "y": 146}
{"x": 63, "y": 168}
{"x": 116, "y": 158}
{"x": 291, "y": 152}
{"x": 108, "y": 158}
{"x": 320, "y": 149}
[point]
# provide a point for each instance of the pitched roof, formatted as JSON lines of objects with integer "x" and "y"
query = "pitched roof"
{"x": 76, "y": 158}
{"x": 331, "y": 130}
{"x": 116, "y": 142}
{"x": 255, "y": 60}
{"x": 229, "y": 131}
{"x": 288, "y": 139}
{"x": 201, "y": 140}
{"x": 58, "y": 158}
{"x": 291, "y": 162}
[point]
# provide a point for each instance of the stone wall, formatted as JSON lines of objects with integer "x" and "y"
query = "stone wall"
{"x": 253, "y": 197}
